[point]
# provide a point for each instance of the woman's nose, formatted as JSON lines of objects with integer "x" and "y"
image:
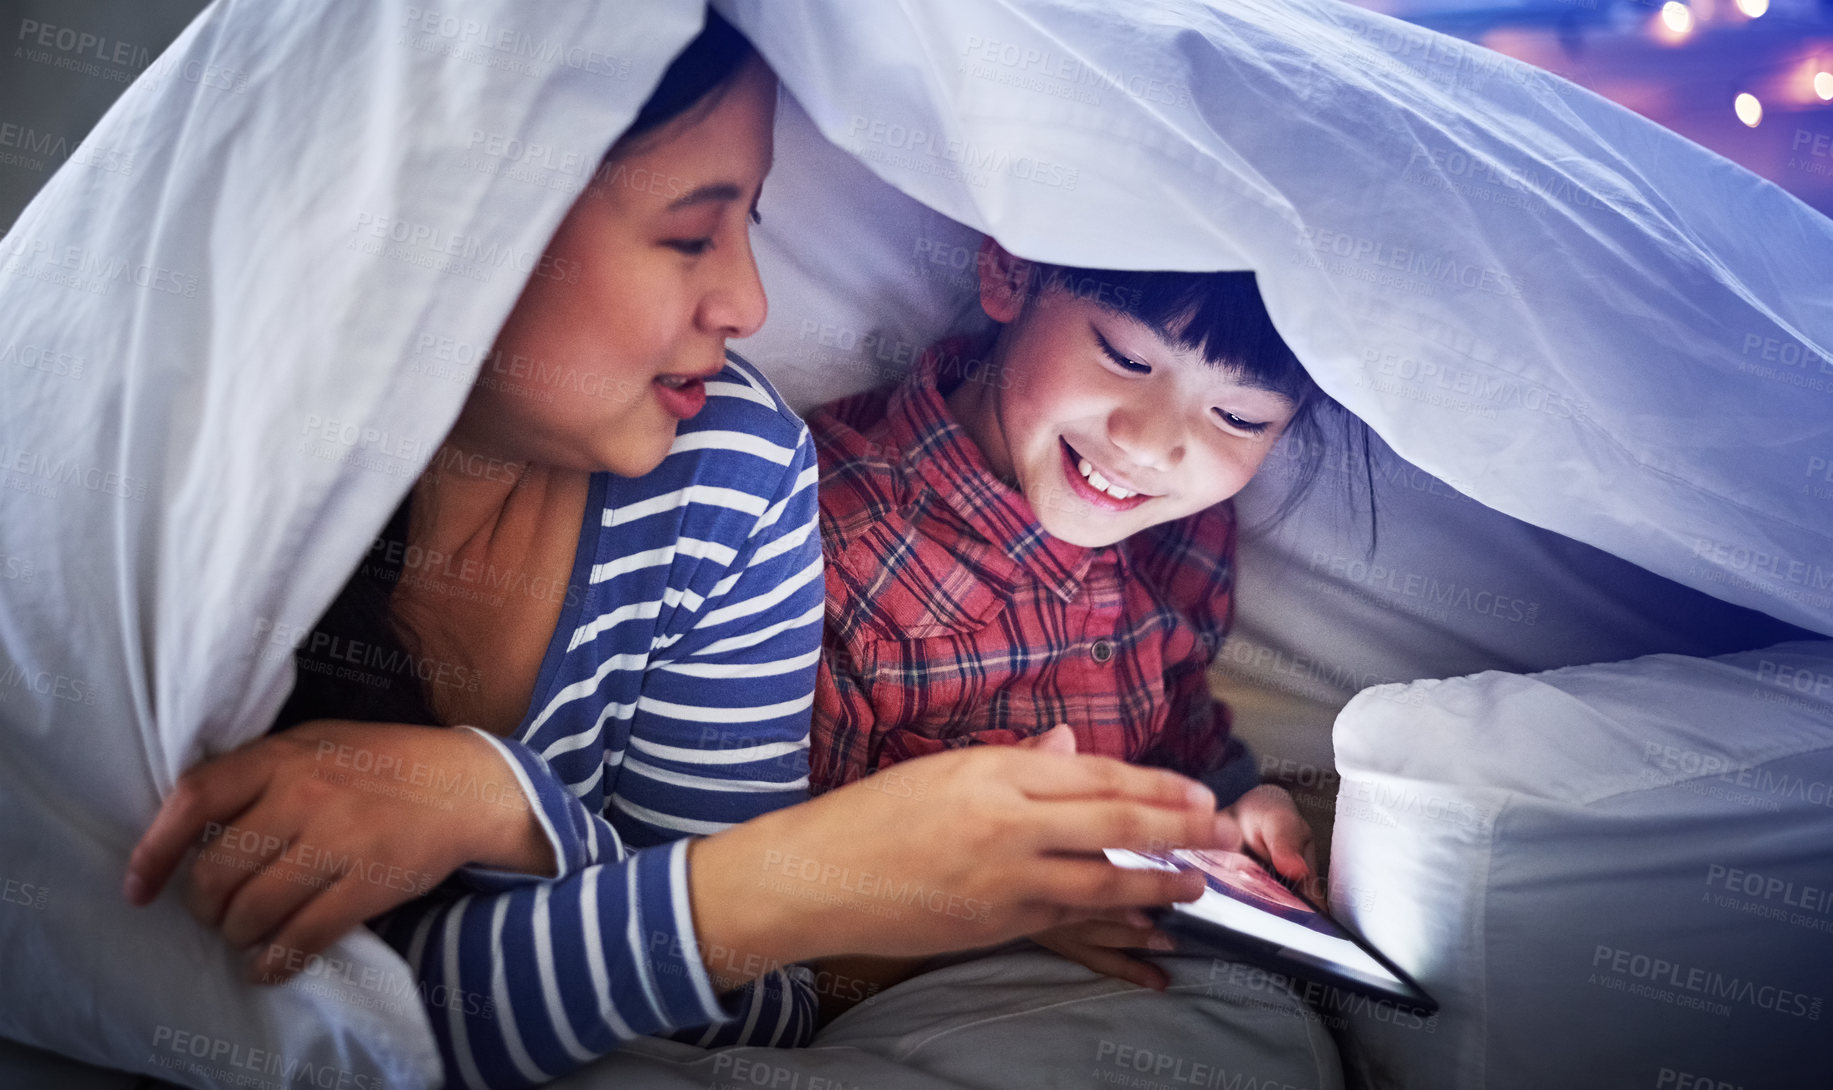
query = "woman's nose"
{"x": 735, "y": 305}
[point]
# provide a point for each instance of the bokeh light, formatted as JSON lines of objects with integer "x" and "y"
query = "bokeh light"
{"x": 1749, "y": 109}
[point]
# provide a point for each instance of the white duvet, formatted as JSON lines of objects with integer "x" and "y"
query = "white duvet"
{"x": 1563, "y": 310}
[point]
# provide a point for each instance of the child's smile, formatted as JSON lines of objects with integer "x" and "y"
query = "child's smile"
{"x": 1107, "y": 424}
{"x": 1105, "y": 490}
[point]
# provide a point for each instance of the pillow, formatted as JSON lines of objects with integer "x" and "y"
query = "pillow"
{"x": 151, "y": 990}
{"x": 1450, "y": 587}
{"x": 1616, "y": 875}
{"x": 21, "y": 1065}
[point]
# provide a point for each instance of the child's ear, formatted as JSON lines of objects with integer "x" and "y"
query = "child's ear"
{"x": 1004, "y": 281}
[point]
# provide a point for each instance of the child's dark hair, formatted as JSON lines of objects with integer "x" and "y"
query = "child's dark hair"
{"x": 1221, "y": 315}
{"x": 361, "y": 612}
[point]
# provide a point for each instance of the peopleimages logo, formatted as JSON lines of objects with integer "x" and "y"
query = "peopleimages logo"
{"x": 1771, "y": 888}
{"x": 237, "y": 1063}
{"x": 1424, "y": 266}
{"x": 872, "y": 888}
{"x": 1178, "y": 1069}
{"x": 976, "y": 160}
{"x": 1677, "y": 983}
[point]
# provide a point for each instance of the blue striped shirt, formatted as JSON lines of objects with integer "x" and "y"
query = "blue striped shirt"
{"x": 673, "y": 701}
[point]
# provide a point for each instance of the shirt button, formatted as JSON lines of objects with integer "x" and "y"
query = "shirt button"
{"x": 1102, "y": 651}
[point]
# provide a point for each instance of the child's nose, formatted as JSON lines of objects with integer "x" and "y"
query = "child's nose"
{"x": 1150, "y": 436}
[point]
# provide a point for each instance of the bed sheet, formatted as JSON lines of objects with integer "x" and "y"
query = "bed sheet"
{"x": 25, "y": 1067}
{"x": 1022, "y": 1018}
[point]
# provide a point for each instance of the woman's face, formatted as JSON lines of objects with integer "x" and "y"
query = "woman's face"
{"x": 608, "y": 346}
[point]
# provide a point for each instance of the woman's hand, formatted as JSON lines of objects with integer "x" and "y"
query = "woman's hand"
{"x": 1096, "y": 942}
{"x": 952, "y": 851}
{"x": 1264, "y": 821}
{"x": 305, "y": 834}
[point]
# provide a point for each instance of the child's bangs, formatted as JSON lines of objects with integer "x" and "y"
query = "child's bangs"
{"x": 1219, "y": 314}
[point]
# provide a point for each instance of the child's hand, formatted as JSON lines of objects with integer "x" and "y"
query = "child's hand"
{"x": 1273, "y": 829}
{"x": 1098, "y": 942}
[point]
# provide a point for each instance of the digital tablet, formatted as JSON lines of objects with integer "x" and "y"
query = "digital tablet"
{"x": 1250, "y": 915}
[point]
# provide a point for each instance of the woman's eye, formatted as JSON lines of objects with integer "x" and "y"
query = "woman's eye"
{"x": 692, "y": 247}
{"x": 1238, "y": 424}
{"x": 756, "y": 216}
{"x": 1129, "y": 365}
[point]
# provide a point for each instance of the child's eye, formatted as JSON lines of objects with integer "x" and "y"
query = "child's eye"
{"x": 1241, "y": 425}
{"x": 692, "y": 247}
{"x": 1129, "y": 365}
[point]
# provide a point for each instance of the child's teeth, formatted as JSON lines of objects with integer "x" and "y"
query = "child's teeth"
{"x": 1087, "y": 470}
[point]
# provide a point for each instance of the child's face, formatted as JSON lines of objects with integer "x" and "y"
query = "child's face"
{"x": 1109, "y": 428}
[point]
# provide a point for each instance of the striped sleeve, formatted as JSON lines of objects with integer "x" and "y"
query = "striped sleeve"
{"x": 525, "y": 985}
{"x": 578, "y": 837}
{"x": 720, "y": 732}
{"x": 527, "y": 978}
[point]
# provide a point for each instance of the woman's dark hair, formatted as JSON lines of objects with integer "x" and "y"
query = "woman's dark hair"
{"x": 1221, "y": 315}
{"x": 359, "y": 636}
{"x": 696, "y": 79}
{"x": 356, "y": 662}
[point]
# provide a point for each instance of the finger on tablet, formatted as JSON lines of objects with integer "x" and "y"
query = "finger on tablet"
{"x": 1291, "y": 864}
{"x": 1098, "y": 884}
{"x": 1285, "y": 841}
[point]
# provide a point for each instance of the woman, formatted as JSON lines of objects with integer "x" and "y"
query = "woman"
{"x": 665, "y": 694}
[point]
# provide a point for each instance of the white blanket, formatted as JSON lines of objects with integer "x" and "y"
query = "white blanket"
{"x": 1524, "y": 288}
{"x": 1564, "y": 310}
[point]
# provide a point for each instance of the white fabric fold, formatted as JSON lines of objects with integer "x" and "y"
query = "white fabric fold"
{"x": 1570, "y": 314}
{"x": 1561, "y": 308}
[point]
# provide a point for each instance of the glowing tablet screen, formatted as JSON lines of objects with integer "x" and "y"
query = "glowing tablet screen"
{"x": 1243, "y": 899}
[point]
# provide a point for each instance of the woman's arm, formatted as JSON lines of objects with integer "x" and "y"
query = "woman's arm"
{"x": 1000, "y": 844}
{"x": 527, "y": 984}
{"x": 303, "y": 834}
{"x": 1001, "y": 847}
{"x": 1003, "y": 842}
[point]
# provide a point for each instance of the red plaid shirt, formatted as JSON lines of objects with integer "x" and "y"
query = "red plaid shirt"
{"x": 953, "y": 618}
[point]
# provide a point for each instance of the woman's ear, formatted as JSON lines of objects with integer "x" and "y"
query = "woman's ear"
{"x": 1005, "y": 280}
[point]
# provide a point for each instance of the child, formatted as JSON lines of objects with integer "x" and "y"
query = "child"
{"x": 1036, "y": 531}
